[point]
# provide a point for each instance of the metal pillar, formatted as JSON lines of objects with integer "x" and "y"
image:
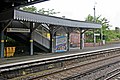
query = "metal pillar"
{"x": 31, "y": 38}
{"x": 4, "y": 27}
{"x": 54, "y": 42}
{"x": 2, "y": 44}
{"x": 81, "y": 41}
{"x": 101, "y": 36}
{"x": 51, "y": 42}
{"x": 94, "y": 38}
{"x": 68, "y": 41}
{"x": 53, "y": 31}
{"x": 51, "y": 38}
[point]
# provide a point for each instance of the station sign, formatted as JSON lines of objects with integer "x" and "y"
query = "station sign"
{"x": 97, "y": 34}
{"x": 17, "y": 30}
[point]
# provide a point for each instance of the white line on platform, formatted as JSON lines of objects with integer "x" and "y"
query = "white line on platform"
{"x": 63, "y": 56}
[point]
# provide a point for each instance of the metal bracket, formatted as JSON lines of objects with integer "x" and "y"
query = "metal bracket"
{"x": 9, "y": 22}
{"x": 84, "y": 31}
{"x": 23, "y": 24}
{"x": 36, "y": 27}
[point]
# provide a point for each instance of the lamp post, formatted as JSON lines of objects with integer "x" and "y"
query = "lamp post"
{"x": 94, "y": 38}
{"x": 94, "y": 14}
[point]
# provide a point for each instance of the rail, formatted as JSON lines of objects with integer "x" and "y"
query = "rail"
{"x": 113, "y": 76}
{"x": 94, "y": 73}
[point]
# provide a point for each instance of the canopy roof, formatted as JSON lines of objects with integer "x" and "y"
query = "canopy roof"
{"x": 40, "y": 18}
{"x": 7, "y": 4}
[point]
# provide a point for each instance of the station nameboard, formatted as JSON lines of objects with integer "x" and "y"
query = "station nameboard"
{"x": 97, "y": 34}
{"x": 17, "y": 30}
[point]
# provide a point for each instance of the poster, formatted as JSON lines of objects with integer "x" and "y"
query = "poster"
{"x": 61, "y": 43}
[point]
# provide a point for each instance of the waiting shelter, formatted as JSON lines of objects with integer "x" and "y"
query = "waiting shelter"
{"x": 26, "y": 27}
{"x": 23, "y": 26}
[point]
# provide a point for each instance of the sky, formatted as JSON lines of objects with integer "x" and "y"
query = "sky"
{"x": 79, "y": 9}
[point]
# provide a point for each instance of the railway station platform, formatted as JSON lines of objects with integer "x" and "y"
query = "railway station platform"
{"x": 46, "y": 56}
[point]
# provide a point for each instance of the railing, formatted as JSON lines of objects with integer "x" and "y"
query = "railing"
{"x": 41, "y": 39}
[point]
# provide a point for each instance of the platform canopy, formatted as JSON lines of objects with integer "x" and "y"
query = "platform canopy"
{"x": 40, "y": 18}
{"x": 7, "y": 4}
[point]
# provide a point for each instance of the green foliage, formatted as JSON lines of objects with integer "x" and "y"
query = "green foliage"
{"x": 47, "y": 12}
{"x": 89, "y": 18}
{"x": 103, "y": 21}
{"x": 89, "y": 40}
{"x": 118, "y": 35}
{"x": 41, "y": 11}
{"x": 109, "y": 34}
{"x": 29, "y": 9}
{"x": 89, "y": 36}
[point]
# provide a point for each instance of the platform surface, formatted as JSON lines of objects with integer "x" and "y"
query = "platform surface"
{"x": 12, "y": 60}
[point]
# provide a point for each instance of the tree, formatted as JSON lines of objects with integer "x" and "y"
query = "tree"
{"x": 89, "y": 18}
{"x": 29, "y": 9}
{"x": 41, "y": 11}
{"x": 47, "y": 12}
{"x": 109, "y": 34}
{"x": 103, "y": 21}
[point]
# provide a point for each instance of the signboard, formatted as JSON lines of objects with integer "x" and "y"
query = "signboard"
{"x": 97, "y": 34}
{"x": 61, "y": 43}
{"x": 17, "y": 30}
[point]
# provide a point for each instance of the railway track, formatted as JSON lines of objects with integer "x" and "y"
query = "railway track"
{"x": 79, "y": 72}
{"x": 115, "y": 74}
{"x": 63, "y": 68}
{"x": 109, "y": 75}
{"x": 95, "y": 73}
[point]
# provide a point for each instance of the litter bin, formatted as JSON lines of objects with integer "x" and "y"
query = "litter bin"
{"x": 103, "y": 42}
{"x": 9, "y": 51}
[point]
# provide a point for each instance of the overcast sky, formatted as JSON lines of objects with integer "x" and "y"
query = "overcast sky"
{"x": 79, "y": 9}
